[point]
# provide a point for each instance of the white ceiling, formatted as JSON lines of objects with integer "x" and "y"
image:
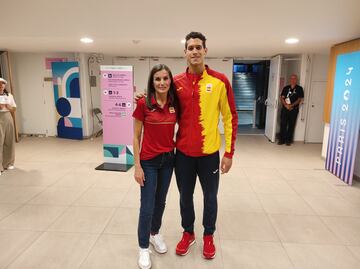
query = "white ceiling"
{"x": 240, "y": 28}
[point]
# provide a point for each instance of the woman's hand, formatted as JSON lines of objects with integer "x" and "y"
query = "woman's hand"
{"x": 2, "y": 107}
{"x": 138, "y": 96}
{"x": 139, "y": 175}
{"x": 9, "y": 107}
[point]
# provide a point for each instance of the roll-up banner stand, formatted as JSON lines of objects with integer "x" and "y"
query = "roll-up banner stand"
{"x": 117, "y": 86}
{"x": 345, "y": 117}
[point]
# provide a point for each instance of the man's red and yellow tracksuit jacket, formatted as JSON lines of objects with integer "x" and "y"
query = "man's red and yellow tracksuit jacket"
{"x": 201, "y": 100}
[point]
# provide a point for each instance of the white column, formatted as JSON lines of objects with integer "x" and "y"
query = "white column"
{"x": 87, "y": 121}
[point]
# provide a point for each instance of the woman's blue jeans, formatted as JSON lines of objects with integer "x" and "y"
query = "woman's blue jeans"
{"x": 158, "y": 172}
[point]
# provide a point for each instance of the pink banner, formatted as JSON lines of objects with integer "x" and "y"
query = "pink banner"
{"x": 49, "y": 61}
{"x": 117, "y": 108}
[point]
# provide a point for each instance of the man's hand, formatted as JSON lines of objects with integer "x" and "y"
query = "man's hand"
{"x": 139, "y": 96}
{"x": 139, "y": 175}
{"x": 225, "y": 165}
{"x": 289, "y": 107}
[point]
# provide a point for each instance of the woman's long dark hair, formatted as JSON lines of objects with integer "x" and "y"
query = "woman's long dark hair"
{"x": 151, "y": 89}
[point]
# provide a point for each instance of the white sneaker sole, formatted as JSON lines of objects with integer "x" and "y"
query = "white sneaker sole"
{"x": 144, "y": 267}
{"x": 192, "y": 243}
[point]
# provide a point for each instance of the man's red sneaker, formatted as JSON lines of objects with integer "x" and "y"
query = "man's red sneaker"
{"x": 209, "y": 250}
{"x": 186, "y": 241}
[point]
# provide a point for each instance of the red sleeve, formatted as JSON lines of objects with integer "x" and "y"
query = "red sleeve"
{"x": 139, "y": 112}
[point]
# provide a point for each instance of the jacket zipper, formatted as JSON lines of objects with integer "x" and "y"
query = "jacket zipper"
{"x": 192, "y": 113}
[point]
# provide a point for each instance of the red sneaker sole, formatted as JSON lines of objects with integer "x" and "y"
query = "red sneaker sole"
{"x": 183, "y": 254}
{"x": 209, "y": 257}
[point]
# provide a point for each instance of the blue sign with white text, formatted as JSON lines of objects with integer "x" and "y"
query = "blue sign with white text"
{"x": 345, "y": 117}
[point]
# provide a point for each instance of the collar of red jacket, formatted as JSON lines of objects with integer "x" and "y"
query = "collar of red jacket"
{"x": 196, "y": 76}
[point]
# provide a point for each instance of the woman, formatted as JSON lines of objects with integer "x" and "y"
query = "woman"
{"x": 156, "y": 114}
{"x": 7, "y": 134}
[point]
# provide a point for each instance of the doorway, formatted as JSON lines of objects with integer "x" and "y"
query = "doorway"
{"x": 250, "y": 86}
{"x": 281, "y": 67}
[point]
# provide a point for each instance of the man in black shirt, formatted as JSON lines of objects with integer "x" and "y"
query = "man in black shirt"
{"x": 291, "y": 97}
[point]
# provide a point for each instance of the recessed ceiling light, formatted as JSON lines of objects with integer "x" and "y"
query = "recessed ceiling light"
{"x": 86, "y": 40}
{"x": 292, "y": 40}
{"x": 183, "y": 41}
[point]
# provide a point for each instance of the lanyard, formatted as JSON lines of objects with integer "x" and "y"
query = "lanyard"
{"x": 290, "y": 93}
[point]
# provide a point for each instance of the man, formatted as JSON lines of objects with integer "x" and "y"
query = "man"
{"x": 291, "y": 97}
{"x": 203, "y": 94}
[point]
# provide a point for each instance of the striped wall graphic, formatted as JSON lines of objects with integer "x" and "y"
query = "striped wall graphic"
{"x": 345, "y": 117}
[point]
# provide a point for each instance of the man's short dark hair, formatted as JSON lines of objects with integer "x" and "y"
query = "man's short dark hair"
{"x": 194, "y": 35}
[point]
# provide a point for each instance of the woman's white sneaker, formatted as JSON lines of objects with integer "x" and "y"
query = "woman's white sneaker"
{"x": 10, "y": 167}
{"x": 158, "y": 243}
{"x": 144, "y": 258}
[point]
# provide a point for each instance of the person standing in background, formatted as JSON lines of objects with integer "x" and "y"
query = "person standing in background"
{"x": 291, "y": 97}
{"x": 7, "y": 130}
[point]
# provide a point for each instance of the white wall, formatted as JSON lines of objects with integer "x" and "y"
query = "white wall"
{"x": 4, "y": 68}
{"x": 176, "y": 65}
{"x": 86, "y": 108}
{"x": 313, "y": 68}
{"x": 141, "y": 70}
{"x": 299, "y": 134}
{"x": 315, "y": 126}
{"x": 292, "y": 65}
{"x": 28, "y": 77}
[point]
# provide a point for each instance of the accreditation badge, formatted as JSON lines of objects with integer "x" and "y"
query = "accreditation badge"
{"x": 4, "y": 100}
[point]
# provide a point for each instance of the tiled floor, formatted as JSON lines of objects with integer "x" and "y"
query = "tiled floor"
{"x": 278, "y": 209}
